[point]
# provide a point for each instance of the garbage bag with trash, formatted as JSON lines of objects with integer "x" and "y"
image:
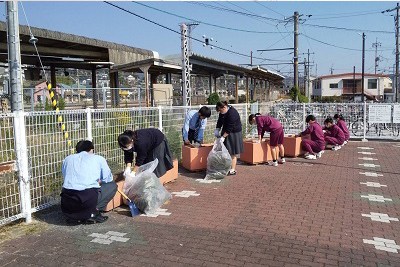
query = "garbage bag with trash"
{"x": 219, "y": 161}
{"x": 145, "y": 189}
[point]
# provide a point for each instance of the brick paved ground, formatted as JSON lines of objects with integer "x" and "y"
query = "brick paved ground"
{"x": 292, "y": 215}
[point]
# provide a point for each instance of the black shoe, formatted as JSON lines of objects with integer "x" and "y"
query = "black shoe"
{"x": 96, "y": 218}
{"x": 73, "y": 221}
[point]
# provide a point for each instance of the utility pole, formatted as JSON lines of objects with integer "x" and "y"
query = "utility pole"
{"x": 14, "y": 57}
{"x": 396, "y": 19}
{"x": 331, "y": 70}
{"x": 17, "y": 106}
{"x": 363, "y": 66}
{"x": 251, "y": 59}
{"x": 376, "y": 45}
{"x": 296, "y": 51}
{"x": 185, "y": 47}
{"x": 354, "y": 83}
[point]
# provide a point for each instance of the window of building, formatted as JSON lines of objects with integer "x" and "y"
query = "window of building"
{"x": 348, "y": 83}
{"x": 372, "y": 83}
{"x": 333, "y": 85}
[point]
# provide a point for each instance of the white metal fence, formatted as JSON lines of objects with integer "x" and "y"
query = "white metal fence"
{"x": 46, "y": 146}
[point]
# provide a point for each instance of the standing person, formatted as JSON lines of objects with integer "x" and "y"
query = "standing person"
{"x": 315, "y": 147}
{"x": 269, "y": 124}
{"x": 342, "y": 125}
{"x": 229, "y": 128}
{"x": 334, "y": 135}
{"x": 88, "y": 185}
{"x": 195, "y": 123}
{"x": 148, "y": 144}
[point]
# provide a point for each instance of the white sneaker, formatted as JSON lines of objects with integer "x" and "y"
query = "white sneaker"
{"x": 272, "y": 163}
{"x": 311, "y": 157}
{"x": 320, "y": 154}
{"x": 283, "y": 160}
{"x": 335, "y": 148}
{"x": 345, "y": 142}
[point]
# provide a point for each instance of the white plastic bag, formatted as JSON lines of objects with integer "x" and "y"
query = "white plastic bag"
{"x": 145, "y": 189}
{"x": 219, "y": 161}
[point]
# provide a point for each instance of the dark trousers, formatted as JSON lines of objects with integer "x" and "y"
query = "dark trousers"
{"x": 191, "y": 136}
{"x": 106, "y": 193}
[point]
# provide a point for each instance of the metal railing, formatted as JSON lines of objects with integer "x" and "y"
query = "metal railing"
{"x": 47, "y": 146}
{"x": 38, "y": 185}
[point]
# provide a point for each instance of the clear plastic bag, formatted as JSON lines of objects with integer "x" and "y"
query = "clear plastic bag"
{"x": 145, "y": 189}
{"x": 219, "y": 161}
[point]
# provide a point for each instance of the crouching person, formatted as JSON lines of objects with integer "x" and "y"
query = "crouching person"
{"x": 88, "y": 185}
{"x": 315, "y": 147}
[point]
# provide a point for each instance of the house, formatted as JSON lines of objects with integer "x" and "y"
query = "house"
{"x": 40, "y": 92}
{"x": 348, "y": 86}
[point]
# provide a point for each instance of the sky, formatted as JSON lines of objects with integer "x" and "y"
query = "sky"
{"x": 101, "y": 21}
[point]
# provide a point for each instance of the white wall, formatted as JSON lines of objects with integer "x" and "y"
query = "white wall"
{"x": 325, "y": 89}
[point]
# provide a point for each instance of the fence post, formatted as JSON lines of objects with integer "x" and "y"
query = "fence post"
{"x": 21, "y": 150}
{"x": 89, "y": 124}
{"x": 160, "y": 124}
{"x": 365, "y": 123}
{"x": 245, "y": 119}
{"x": 304, "y": 117}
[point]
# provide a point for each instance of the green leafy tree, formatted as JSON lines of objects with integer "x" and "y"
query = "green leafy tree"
{"x": 213, "y": 99}
{"x": 295, "y": 93}
{"x": 65, "y": 80}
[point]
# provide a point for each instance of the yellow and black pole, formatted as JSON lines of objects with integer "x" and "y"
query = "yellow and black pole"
{"x": 59, "y": 118}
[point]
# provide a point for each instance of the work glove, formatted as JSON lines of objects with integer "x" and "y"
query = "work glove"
{"x": 197, "y": 145}
{"x": 222, "y": 139}
{"x": 258, "y": 141}
{"x": 130, "y": 175}
{"x": 216, "y": 133}
{"x": 127, "y": 171}
{"x": 187, "y": 142}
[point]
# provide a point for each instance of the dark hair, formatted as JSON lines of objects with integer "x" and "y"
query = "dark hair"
{"x": 252, "y": 116}
{"x": 221, "y": 104}
{"x": 310, "y": 118}
{"x": 127, "y": 137}
{"x": 205, "y": 111}
{"x": 338, "y": 116}
{"x": 84, "y": 145}
{"x": 328, "y": 120}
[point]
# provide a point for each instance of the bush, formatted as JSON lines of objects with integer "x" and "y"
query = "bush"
{"x": 213, "y": 99}
{"x": 328, "y": 99}
{"x": 296, "y": 92}
{"x": 242, "y": 99}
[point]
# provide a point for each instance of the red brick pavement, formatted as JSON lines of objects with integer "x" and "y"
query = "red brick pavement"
{"x": 292, "y": 215}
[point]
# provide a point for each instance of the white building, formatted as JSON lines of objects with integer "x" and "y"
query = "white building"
{"x": 348, "y": 86}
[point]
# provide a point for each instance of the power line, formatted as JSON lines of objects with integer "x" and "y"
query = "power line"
{"x": 269, "y": 8}
{"x": 203, "y": 22}
{"x": 346, "y": 48}
{"x": 341, "y": 13}
{"x": 283, "y": 21}
{"x": 175, "y": 31}
{"x": 235, "y": 11}
{"x": 346, "y": 16}
{"x": 345, "y": 29}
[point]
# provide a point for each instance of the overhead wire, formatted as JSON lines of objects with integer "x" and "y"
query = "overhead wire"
{"x": 203, "y": 22}
{"x": 346, "y": 48}
{"x": 175, "y": 31}
{"x": 34, "y": 43}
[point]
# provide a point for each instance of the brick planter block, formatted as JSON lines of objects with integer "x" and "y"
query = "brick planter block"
{"x": 195, "y": 159}
{"x": 292, "y": 146}
{"x": 117, "y": 200}
{"x": 256, "y": 152}
{"x": 171, "y": 174}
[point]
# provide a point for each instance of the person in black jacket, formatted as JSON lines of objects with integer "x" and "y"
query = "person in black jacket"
{"x": 229, "y": 128}
{"x": 148, "y": 144}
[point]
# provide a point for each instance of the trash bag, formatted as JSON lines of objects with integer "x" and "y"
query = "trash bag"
{"x": 219, "y": 161}
{"x": 145, "y": 189}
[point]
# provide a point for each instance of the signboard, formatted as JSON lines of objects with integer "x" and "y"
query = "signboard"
{"x": 396, "y": 113}
{"x": 379, "y": 113}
